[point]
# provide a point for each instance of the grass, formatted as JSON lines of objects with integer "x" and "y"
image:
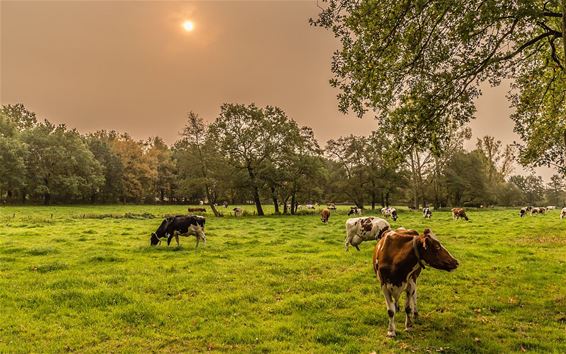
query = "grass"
{"x": 84, "y": 279}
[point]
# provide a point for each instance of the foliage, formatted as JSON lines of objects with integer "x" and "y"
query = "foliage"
{"x": 59, "y": 163}
{"x": 532, "y": 187}
{"x": 419, "y": 64}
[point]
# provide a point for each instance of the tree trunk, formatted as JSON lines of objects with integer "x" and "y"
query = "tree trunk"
{"x": 255, "y": 191}
{"x": 373, "y": 200}
{"x": 293, "y": 204}
{"x": 46, "y": 198}
{"x": 285, "y": 209}
{"x": 211, "y": 201}
{"x": 414, "y": 182}
{"x": 387, "y": 199}
{"x": 275, "y": 201}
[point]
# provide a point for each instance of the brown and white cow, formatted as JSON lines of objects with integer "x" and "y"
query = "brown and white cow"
{"x": 363, "y": 229}
{"x": 325, "y": 215}
{"x": 196, "y": 210}
{"x": 540, "y": 210}
{"x": 458, "y": 213}
{"x": 563, "y": 213}
{"x": 398, "y": 259}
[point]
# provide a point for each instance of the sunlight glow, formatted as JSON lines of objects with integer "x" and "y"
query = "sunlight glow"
{"x": 188, "y": 26}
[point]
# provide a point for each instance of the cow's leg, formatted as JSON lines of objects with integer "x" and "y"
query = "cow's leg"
{"x": 347, "y": 242}
{"x": 177, "y": 238}
{"x": 415, "y": 308}
{"x": 410, "y": 304}
{"x": 391, "y": 293}
{"x": 169, "y": 239}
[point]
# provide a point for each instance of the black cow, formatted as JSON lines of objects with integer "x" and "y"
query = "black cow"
{"x": 184, "y": 225}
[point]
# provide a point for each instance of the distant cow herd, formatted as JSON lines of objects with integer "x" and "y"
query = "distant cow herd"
{"x": 398, "y": 258}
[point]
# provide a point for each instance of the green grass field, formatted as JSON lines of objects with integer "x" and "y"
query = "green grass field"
{"x": 74, "y": 280}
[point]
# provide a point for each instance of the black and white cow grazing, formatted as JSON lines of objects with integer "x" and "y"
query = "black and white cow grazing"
{"x": 363, "y": 229}
{"x": 180, "y": 225}
{"x": 523, "y": 211}
{"x": 563, "y": 213}
{"x": 389, "y": 212}
{"x": 355, "y": 210}
{"x": 427, "y": 213}
{"x": 538, "y": 211}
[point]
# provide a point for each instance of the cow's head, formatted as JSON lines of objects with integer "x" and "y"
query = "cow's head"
{"x": 435, "y": 254}
{"x": 154, "y": 240}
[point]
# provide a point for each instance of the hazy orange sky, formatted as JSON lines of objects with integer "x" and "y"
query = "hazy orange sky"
{"x": 129, "y": 66}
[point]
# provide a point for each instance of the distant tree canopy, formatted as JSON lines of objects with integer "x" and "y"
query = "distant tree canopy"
{"x": 419, "y": 64}
{"x": 257, "y": 155}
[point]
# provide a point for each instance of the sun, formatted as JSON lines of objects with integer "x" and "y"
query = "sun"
{"x": 188, "y": 26}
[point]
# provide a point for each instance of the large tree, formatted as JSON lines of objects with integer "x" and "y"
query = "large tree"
{"x": 249, "y": 136}
{"x": 196, "y": 157}
{"x": 420, "y": 63}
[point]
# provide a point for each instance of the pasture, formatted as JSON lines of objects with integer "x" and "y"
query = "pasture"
{"x": 84, "y": 279}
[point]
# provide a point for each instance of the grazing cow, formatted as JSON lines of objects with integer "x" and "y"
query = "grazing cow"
{"x": 310, "y": 206}
{"x": 238, "y": 211}
{"x": 225, "y": 204}
{"x": 389, "y": 212}
{"x": 563, "y": 213}
{"x": 355, "y": 210}
{"x": 523, "y": 212}
{"x": 551, "y": 207}
{"x": 398, "y": 259}
{"x": 538, "y": 211}
{"x": 331, "y": 206}
{"x": 427, "y": 213}
{"x": 458, "y": 213}
{"x": 364, "y": 229}
{"x": 324, "y": 215}
{"x": 183, "y": 225}
{"x": 196, "y": 210}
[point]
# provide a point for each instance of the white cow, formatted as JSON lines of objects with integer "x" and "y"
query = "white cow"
{"x": 363, "y": 229}
{"x": 563, "y": 213}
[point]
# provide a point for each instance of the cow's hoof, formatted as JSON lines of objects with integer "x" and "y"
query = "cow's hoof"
{"x": 390, "y": 334}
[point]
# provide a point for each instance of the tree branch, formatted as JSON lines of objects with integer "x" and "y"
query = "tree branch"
{"x": 553, "y": 53}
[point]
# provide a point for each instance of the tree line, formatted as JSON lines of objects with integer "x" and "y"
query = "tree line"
{"x": 257, "y": 155}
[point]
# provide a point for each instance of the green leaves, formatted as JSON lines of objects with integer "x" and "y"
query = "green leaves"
{"x": 417, "y": 66}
